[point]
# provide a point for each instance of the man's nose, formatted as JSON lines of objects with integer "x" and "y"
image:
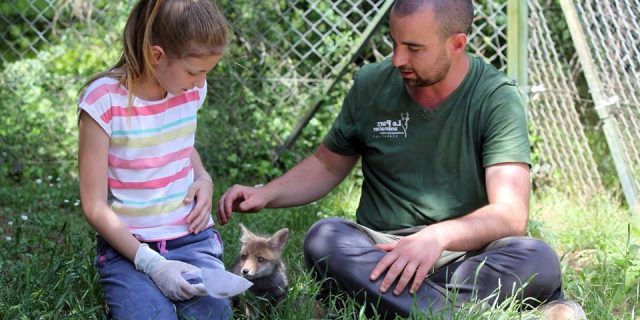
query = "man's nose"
{"x": 399, "y": 57}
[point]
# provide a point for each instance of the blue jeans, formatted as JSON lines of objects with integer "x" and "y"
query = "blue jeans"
{"x": 131, "y": 294}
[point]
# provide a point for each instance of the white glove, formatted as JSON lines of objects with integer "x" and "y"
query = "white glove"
{"x": 167, "y": 274}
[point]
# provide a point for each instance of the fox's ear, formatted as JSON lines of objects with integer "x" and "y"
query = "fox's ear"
{"x": 246, "y": 234}
{"x": 278, "y": 239}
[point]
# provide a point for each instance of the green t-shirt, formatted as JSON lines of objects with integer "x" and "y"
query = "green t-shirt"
{"x": 422, "y": 166}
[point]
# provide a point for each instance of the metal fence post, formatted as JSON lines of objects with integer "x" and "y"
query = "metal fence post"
{"x": 517, "y": 36}
{"x": 603, "y": 107}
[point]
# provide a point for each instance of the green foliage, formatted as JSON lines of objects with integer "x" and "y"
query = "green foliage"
{"x": 38, "y": 101}
{"x": 598, "y": 244}
{"x": 46, "y": 250}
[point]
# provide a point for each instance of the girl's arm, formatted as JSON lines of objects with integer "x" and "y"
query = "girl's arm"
{"x": 93, "y": 152}
{"x": 199, "y": 171}
{"x": 202, "y": 191}
{"x": 92, "y": 162}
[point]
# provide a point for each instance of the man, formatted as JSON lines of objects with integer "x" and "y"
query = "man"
{"x": 445, "y": 159}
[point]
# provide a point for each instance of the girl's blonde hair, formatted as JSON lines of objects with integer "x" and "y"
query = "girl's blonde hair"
{"x": 182, "y": 28}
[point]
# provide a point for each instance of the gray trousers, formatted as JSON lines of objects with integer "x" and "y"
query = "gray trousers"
{"x": 341, "y": 253}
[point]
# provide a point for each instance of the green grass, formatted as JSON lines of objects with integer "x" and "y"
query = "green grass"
{"x": 47, "y": 251}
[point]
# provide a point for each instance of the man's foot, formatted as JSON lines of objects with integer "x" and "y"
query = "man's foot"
{"x": 562, "y": 309}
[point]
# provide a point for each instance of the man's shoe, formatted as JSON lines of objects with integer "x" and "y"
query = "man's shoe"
{"x": 562, "y": 309}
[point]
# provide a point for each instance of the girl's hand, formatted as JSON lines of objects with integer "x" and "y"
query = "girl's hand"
{"x": 201, "y": 190}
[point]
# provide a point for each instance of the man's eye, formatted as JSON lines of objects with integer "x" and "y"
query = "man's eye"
{"x": 414, "y": 49}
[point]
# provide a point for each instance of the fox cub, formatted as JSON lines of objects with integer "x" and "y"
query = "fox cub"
{"x": 260, "y": 261}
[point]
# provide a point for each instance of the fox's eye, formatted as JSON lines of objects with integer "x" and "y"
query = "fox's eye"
{"x": 260, "y": 259}
{"x": 243, "y": 257}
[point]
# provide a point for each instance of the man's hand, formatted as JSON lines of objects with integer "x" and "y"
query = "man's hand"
{"x": 240, "y": 199}
{"x": 411, "y": 257}
{"x": 201, "y": 190}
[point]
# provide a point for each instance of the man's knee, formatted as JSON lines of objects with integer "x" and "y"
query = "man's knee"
{"x": 320, "y": 239}
{"x": 536, "y": 261}
{"x": 530, "y": 249}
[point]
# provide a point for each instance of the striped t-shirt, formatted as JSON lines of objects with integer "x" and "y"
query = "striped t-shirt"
{"x": 150, "y": 149}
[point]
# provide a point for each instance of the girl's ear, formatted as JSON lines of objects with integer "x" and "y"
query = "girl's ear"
{"x": 157, "y": 52}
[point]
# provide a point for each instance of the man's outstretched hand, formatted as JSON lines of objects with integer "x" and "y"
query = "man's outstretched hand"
{"x": 240, "y": 198}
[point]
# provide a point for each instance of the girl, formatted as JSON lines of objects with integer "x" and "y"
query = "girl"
{"x": 142, "y": 183}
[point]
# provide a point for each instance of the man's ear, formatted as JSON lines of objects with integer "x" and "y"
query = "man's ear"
{"x": 157, "y": 53}
{"x": 459, "y": 42}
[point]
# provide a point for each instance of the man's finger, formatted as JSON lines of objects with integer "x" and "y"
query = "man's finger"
{"x": 220, "y": 210}
{"x": 382, "y": 265}
{"x": 392, "y": 274}
{"x": 421, "y": 274}
{"x": 405, "y": 278}
{"x": 232, "y": 197}
{"x": 387, "y": 246}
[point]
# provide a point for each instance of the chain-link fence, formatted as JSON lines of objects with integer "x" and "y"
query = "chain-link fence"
{"x": 613, "y": 34}
{"x": 565, "y": 156}
{"x": 290, "y": 57}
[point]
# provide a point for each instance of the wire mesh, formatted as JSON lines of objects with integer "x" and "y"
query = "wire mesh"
{"x": 285, "y": 53}
{"x": 613, "y": 31}
{"x": 565, "y": 155}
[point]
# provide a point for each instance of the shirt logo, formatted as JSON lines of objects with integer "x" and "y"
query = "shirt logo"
{"x": 392, "y": 128}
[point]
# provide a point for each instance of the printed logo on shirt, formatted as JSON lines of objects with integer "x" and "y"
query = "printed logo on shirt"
{"x": 392, "y": 128}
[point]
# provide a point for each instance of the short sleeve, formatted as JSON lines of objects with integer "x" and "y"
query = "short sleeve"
{"x": 505, "y": 135}
{"x": 97, "y": 102}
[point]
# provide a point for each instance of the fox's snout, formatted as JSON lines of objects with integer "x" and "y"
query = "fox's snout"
{"x": 256, "y": 267}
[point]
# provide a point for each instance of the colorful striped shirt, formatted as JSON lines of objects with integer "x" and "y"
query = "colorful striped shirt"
{"x": 149, "y": 165}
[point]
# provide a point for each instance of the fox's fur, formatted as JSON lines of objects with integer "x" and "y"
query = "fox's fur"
{"x": 260, "y": 261}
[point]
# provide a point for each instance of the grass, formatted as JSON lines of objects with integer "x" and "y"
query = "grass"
{"x": 47, "y": 251}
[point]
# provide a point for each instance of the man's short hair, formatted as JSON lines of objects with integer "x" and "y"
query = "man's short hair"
{"x": 452, "y": 16}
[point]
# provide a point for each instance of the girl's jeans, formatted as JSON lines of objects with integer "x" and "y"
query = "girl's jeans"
{"x": 131, "y": 294}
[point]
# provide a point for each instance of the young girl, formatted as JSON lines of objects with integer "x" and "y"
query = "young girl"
{"x": 142, "y": 183}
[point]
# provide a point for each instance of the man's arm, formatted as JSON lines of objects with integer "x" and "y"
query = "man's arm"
{"x": 308, "y": 181}
{"x": 505, "y": 215}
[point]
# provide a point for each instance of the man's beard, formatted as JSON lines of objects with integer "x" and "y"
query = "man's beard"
{"x": 440, "y": 73}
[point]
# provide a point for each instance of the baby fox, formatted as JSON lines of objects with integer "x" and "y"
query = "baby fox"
{"x": 260, "y": 261}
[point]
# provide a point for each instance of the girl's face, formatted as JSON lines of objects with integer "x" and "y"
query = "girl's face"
{"x": 179, "y": 75}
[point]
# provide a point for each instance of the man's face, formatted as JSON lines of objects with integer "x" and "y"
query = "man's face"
{"x": 419, "y": 51}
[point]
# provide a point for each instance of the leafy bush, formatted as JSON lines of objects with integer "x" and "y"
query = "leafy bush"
{"x": 38, "y": 99}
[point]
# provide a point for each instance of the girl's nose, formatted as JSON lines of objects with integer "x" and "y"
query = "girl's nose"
{"x": 200, "y": 81}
